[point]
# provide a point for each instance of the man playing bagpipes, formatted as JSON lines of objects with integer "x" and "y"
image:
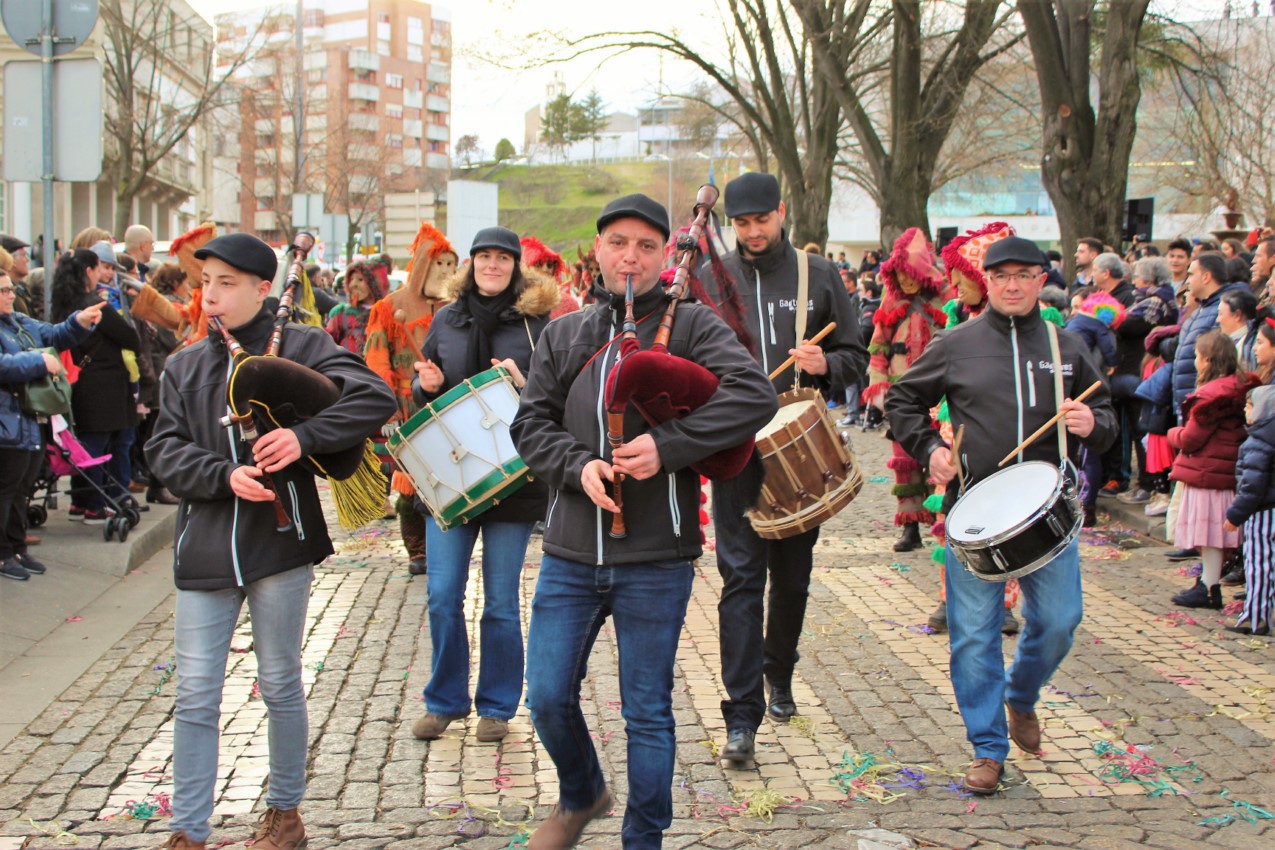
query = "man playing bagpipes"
{"x": 762, "y": 310}
{"x": 250, "y": 526}
{"x": 642, "y": 580}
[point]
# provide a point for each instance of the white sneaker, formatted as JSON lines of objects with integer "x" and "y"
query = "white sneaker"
{"x": 1158, "y": 506}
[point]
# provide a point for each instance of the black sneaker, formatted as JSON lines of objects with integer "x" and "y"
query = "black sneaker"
{"x": 30, "y": 564}
{"x": 1199, "y": 595}
{"x": 10, "y": 568}
{"x": 1182, "y": 554}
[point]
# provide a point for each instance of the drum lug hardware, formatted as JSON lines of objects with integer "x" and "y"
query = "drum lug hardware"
{"x": 1055, "y": 526}
{"x": 774, "y": 507}
{"x": 1000, "y": 560}
{"x": 827, "y": 475}
{"x": 802, "y": 493}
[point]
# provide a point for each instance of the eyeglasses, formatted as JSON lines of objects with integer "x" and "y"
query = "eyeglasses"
{"x": 6, "y": 290}
{"x": 1018, "y": 277}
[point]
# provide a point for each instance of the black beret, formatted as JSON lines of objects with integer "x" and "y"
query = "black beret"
{"x": 243, "y": 251}
{"x": 752, "y": 193}
{"x": 1014, "y": 249}
{"x": 499, "y": 238}
{"x": 636, "y": 206}
{"x": 12, "y": 243}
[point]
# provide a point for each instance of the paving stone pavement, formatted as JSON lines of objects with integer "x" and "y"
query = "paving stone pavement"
{"x": 1157, "y": 729}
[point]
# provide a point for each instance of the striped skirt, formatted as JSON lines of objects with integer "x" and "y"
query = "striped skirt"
{"x": 1259, "y": 568}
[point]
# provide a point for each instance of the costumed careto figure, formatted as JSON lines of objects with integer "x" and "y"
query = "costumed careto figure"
{"x": 911, "y": 311}
{"x": 396, "y": 330}
{"x": 539, "y": 257}
{"x": 963, "y": 265}
{"x": 366, "y": 282}
{"x": 183, "y": 248}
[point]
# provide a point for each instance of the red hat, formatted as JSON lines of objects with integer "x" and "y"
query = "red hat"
{"x": 537, "y": 254}
{"x": 966, "y": 252}
{"x": 914, "y": 256}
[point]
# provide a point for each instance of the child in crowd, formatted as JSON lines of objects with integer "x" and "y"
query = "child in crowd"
{"x": 1264, "y": 350}
{"x": 1254, "y": 509}
{"x": 1094, "y": 316}
{"x": 1209, "y": 443}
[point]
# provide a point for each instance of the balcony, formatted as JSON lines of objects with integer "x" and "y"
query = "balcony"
{"x": 263, "y": 187}
{"x": 438, "y": 103}
{"x": 413, "y": 99}
{"x": 438, "y": 133}
{"x": 412, "y": 127}
{"x": 438, "y": 161}
{"x": 364, "y": 91}
{"x": 412, "y": 157}
{"x": 364, "y": 60}
{"x": 364, "y": 121}
{"x": 265, "y": 157}
{"x": 264, "y": 126}
{"x": 264, "y": 220}
{"x": 361, "y": 152}
{"x": 438, "y": 73}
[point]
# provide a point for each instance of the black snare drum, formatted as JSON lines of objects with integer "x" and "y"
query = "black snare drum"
{"x": 1015, "y": 521}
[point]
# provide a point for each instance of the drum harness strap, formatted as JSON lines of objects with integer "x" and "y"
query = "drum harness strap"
{"x": 803, "y": 292}
{"x": 1058, "y": 391}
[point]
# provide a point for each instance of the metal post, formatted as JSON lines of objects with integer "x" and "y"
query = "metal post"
{"x": 299, "y": 184}
{"x": 48, "y": 256}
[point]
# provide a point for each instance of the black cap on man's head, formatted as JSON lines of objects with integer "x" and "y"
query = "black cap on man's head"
{"x": 499, "y": 239}
{"x": 636, "y": 206}
{"x": 752, "y": 193}
{"x": 12, "y": 243}
{"x": 1014, "y": 249}
{"x": 243, "y": 251}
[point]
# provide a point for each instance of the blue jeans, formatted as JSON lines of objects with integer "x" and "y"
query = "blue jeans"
{"x": 1052, "y": 608}
{"x": 98, "y": 443}
{"x": 205, "y": 622}
{"x": 500, "y": 630}
{"x": 648, "y": 604}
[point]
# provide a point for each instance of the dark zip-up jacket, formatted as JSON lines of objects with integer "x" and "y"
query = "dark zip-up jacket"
{"x": 997, "y": 374}
{"x": 1200, "y": 320}
{"x": 221, "y": 540}
{"x": 561, "y": 426}
{"x": 1255, "y": 484}
{"x": 19, "y": 365}
{"x": 767, "y": 287}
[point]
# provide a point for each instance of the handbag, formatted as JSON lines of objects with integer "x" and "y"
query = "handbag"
{"x": 47, "y": 395}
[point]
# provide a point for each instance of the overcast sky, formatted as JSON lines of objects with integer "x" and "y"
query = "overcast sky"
{"x": 490, "y": 101}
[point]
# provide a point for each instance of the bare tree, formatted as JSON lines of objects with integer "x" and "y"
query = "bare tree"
{"x": 1085, "y": 152}
{"x": 162, "y": 77}
{"x": 766, "y": 70}
{"x": 902, "y": 121}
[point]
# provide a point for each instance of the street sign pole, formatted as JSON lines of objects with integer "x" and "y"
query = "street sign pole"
{"x": 48, "y": 256}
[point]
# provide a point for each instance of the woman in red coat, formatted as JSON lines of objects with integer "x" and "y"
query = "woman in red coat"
{"x": 1209, "y": 443}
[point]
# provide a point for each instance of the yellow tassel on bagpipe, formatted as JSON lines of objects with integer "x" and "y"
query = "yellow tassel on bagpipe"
{"x": 360, "y": 499}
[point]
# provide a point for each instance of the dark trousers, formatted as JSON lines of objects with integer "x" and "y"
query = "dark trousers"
{"x": 1117, "y": 460}
{"x": 744, "y": 561}
{"x": 18, "y": 471}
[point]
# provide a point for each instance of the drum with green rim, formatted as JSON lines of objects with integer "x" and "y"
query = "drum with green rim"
{"x": 458, "y": 451}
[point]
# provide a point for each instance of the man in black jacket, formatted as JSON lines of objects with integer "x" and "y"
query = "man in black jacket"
{"x": 765, "y": 270}
{"x": 229, "y": 547}
{"x": 643, "y": 581}
{"x": 991, "y": 369}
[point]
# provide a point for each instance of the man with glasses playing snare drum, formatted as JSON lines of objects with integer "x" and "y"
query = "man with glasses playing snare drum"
{"x": 998, "y": 369}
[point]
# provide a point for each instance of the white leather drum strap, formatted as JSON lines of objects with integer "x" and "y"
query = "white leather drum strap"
{"x": 1059, "y": 394}
{"x": 803, "y": 293}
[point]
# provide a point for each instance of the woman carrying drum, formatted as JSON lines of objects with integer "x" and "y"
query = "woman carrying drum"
{"x": 499, "y": 310}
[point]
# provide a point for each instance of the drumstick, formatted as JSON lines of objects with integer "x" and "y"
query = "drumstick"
{"x": 1043, "y": 428}
{"x": 956, "y": 451}
{"x": 400, "y": 316}
{"x": 793, "y": 359}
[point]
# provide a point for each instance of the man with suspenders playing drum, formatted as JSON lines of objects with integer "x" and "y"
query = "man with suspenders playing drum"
{"x": 997, "y": 369}
{"x": 768, "y": 273}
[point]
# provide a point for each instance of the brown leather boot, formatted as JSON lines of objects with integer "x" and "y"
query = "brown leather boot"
{"x": 412, "y": 527}
{"x": 983, "y": 776}
{"x": 179, "y": 841}
{"x": 562, "y": 829}
{"x": 1024, "y": 729}
{"x": 280, "y": 830}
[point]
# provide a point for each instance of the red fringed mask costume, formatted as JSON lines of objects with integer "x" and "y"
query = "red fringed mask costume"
{"x": 911, "y": 312}
{"x": 963, "y": 265}
{"x": 538, "y": 255}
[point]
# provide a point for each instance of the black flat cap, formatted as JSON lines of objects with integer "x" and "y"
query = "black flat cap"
{"x": 636, "y": 206}
{"x": 12, "y": 243}
{"x": 752, "y": 193}
{"x": 1015, "y": 249}
{"x": 243, "y": 251}
{"x": 497, "y": 238}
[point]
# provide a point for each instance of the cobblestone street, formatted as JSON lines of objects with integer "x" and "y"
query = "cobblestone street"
{"x": 1157, "y": 729}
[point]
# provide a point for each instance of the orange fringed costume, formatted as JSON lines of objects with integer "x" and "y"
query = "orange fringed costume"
{"x": 184, "y": 248}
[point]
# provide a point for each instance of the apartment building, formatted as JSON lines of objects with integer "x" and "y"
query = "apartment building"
{"x": 373, "y": 95}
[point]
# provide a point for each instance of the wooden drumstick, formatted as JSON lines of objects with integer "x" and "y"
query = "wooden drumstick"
{"x": 831, "y": 326}
{"x": 956, "y": 451}
{"x": 400, "y": 316}
{"x": 1050, "y": 424}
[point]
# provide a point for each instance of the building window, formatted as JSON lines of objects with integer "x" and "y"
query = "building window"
{"x": 383, "y": 48}
{"x": 415, "y": 54}
{"x": 393, "y": 110}
{"x": 394, "y": 81}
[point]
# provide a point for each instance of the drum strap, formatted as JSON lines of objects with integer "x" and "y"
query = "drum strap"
{"x": 803, "y": 293}
{"x": 1059, "y": 393}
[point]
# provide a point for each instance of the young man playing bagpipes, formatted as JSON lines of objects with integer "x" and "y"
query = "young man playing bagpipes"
{"x": 250, "y": 527}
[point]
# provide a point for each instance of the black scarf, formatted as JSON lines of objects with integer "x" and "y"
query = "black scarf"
{"x": 485, "y": 316}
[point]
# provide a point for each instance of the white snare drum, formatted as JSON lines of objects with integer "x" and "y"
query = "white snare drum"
{"x": 457, "y": 449}
{"x": 1016, "y": 521}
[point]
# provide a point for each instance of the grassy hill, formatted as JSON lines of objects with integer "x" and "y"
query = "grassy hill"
{"x": 559, "y": 204}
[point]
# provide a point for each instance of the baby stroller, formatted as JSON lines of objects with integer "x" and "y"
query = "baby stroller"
{"x": 65, "y": 455}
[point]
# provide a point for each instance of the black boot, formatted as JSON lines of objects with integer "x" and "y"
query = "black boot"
{"x": 938, "y": 620}
{"x": 910, "y": 538}
{"x": 740, "y": 747}
{"x": 1199, "y": 595}
{"x": 781, "y": 706}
